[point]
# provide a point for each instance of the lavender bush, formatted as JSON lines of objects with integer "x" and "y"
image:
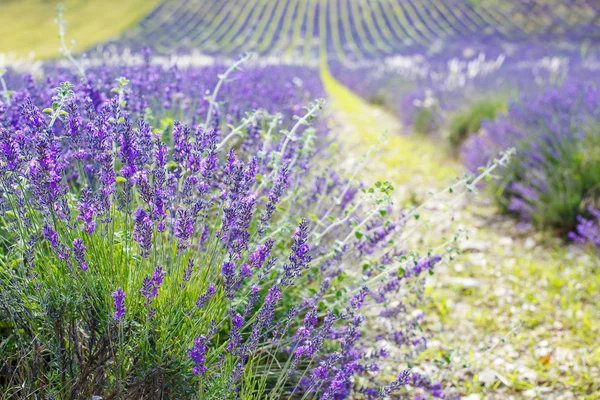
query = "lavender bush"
{"x": 146, "y": 257}
{"x": 469, "y": 120}
{"x": 587, "y": 230}
{"x": 557, "y": 169}
{"x": 430, "y": 89}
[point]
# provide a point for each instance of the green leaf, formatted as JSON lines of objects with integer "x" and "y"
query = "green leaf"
{"x": 358, "y": 234}
{"x": 47, "y": 110}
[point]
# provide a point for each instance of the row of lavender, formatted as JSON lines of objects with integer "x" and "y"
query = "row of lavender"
{"x": 353, "y": 30}
{"x": 178, "y": 233}
{"x": 541, "y": 98}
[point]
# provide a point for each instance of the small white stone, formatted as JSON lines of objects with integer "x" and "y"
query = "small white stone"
{"x": 557, "y": 325}
{"x": 487, "y": 377}
{"x": 465, "y": 282}
{"x": 561, "y": 354}
{"x": 541, "y": 352}
{"x": 527, "y": 374}
{"x": 530, "y": 243}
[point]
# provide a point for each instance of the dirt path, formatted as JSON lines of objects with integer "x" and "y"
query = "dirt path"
{"x": 518, "y": 312}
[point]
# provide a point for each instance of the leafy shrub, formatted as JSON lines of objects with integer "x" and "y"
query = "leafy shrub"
{"x": 420, "y": 110}
{"x": 380, "y": 98}
{"x": 556, "y": 173}
{"x": 172, "y": 260}
{"x": 424, "y": 120}
{"x": 469, "y": 120}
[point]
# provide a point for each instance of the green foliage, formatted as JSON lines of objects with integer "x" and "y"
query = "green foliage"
{"x": 380, "y": 98}
{"x": 571, "y": 173}
{"x": 469, "y": 120}
{"x": 424, "y": 120}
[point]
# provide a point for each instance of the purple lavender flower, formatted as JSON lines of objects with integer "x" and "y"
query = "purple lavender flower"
{"x": 257, "y": 258}
{"x": 587, "y": 230}
{"x": 339, "y": 386}
{"x": 424, "y": 264}
{"x": 264, "y": 317}
{"x": 79, "y": 249}
{"x": 51, "y": 235}
{"x": 203, "y": 298}
{"x": 87, "y": 210}
{"x": 275, "y": 194}
{"x": 181, "y": 146}
{"x": 187, "y": 273}
{"x": 235, "y": 337}
{"x": 119, "y": 301}
{"x": 198, "y": 355}
{"x": 299, "y": 257}
{"x": 151, "y": 285}
{"x": 245, "y": 272}
{"x": 129, "y": 149}
{"x": 237, "y": 223}
{"x": 356, "y": 301}
{"x": 403, "y": 379}
{"x": 229, "y": 278}
{"x": 142, "y": 232}
{"x": 320, "y": 372}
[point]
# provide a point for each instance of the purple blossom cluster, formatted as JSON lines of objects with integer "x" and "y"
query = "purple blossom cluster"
{"x": 427, "y": 88}
{"x": 556, "y": 171}
{"x": 198, "y": 355}
{"x": 119, "y": 302}
{"x": 587, "y": 230}
{"x": 205, "y": 221}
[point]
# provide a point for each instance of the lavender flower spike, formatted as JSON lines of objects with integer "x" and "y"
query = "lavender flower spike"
{"x": 119, "y": 301}
{"x": 79, "y": 249}
{"x": 198, "y": 355}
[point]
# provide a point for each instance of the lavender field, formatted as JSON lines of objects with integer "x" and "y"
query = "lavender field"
{"x": 300, "y": 199}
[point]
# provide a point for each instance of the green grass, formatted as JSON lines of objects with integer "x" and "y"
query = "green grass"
{"x": 27, "y": 26}
{"x": 404, "y": 158}
{"x": 469, "y": 120}
{"x": 546, "y": 295}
